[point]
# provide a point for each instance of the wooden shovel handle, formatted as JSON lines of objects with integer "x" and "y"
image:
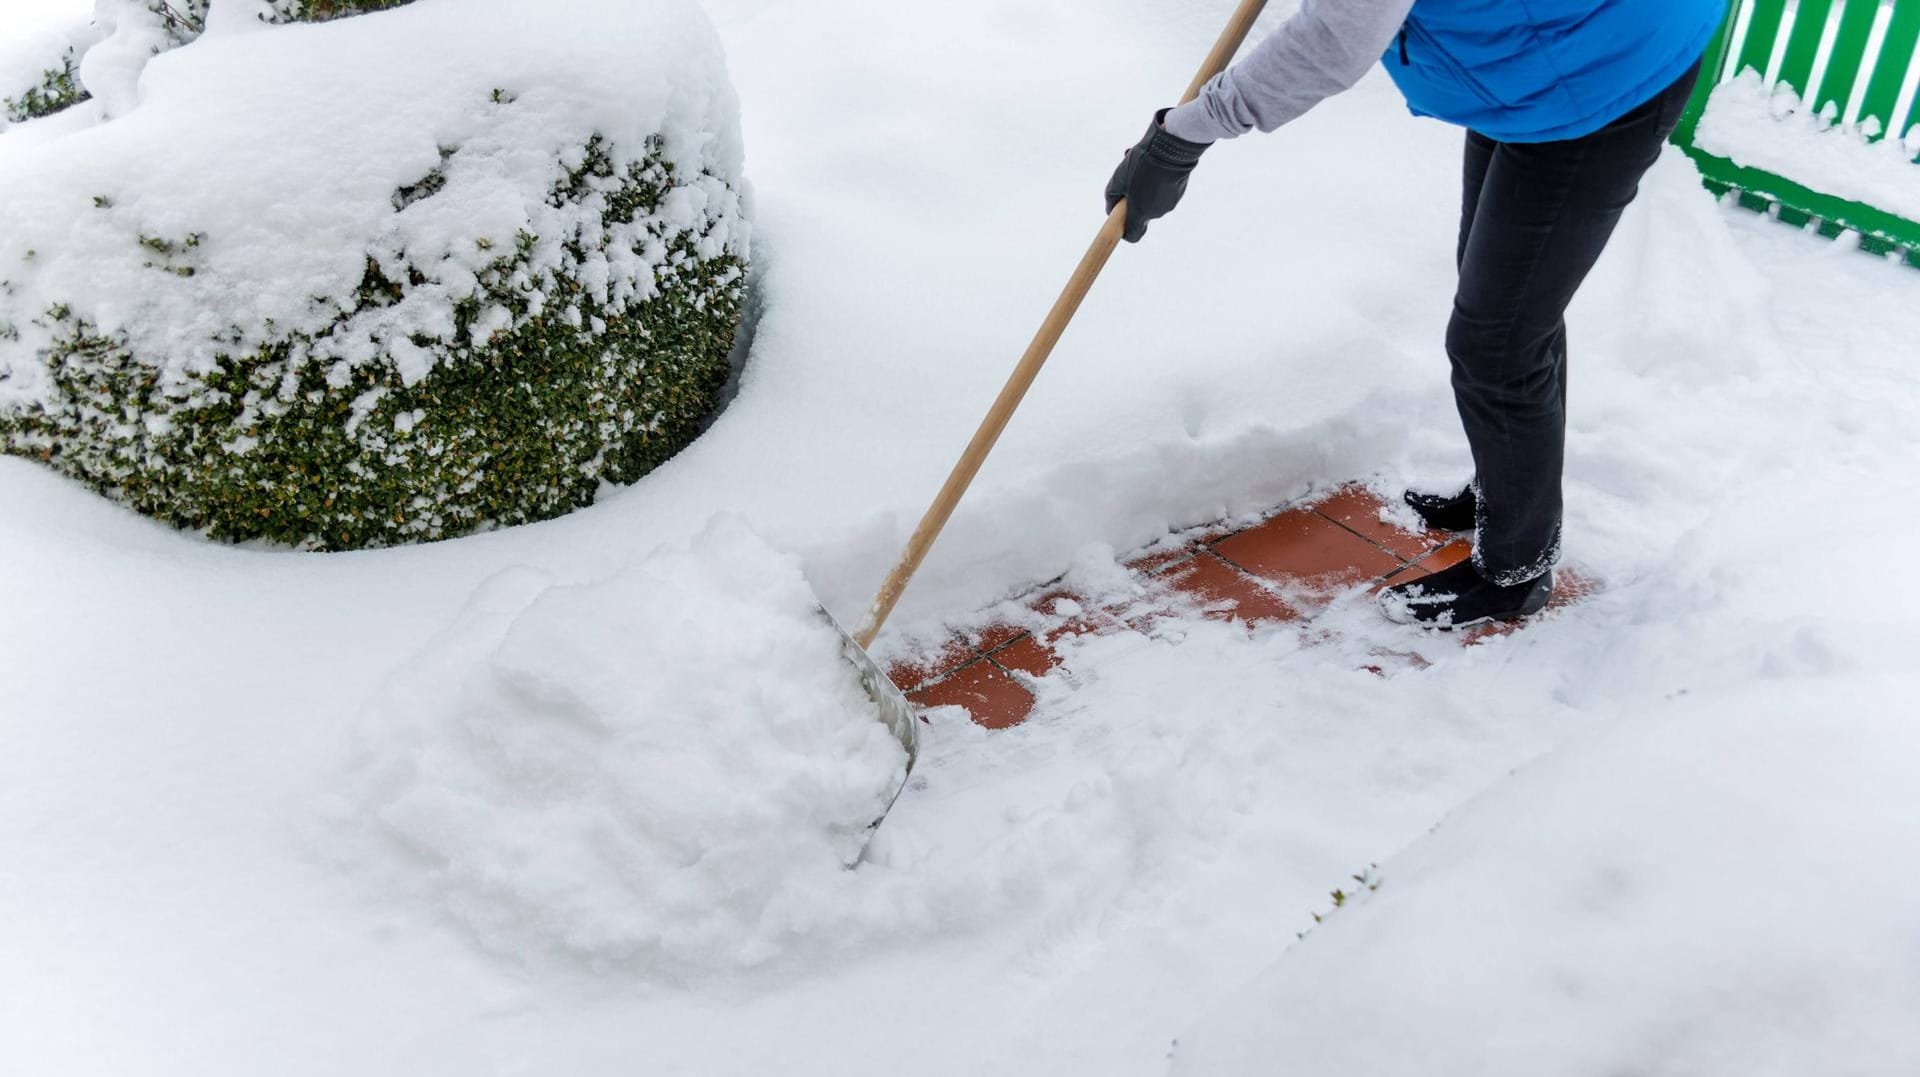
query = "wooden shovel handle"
{"x": 1036, "y": 356}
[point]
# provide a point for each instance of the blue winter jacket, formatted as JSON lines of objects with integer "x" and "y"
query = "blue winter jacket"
{"x": 1545, "y": 70}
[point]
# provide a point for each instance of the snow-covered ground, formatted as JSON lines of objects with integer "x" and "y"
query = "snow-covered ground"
{"x": 1663, "y": 832}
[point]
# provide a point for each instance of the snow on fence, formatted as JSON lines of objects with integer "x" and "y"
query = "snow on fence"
{"x": 1806, "y": 110}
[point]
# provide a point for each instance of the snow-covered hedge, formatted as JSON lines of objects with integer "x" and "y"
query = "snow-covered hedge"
{"x": 384, "y": 280}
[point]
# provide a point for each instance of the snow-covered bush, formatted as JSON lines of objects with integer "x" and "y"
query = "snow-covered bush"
{"x": 384, "y": 280}
{"x": 57, "y": 87}
{"x": 40, "y": 72}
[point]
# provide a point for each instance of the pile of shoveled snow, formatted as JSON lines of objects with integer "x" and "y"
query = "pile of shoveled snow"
{"x": 1713, "y": 886}
{"x": 648, "y": 769}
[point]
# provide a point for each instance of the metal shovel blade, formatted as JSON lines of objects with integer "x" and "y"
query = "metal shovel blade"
{"x": 890, "y": 706}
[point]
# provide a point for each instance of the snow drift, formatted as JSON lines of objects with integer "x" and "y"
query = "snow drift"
{"x": 1704, "y": 888}
{"x": 498, "y": 264}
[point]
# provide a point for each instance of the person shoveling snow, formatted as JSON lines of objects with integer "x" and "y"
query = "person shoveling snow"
{"x": 1566, "y": 104}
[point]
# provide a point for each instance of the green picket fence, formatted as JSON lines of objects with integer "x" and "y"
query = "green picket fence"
{"x": 1852, "y": 60}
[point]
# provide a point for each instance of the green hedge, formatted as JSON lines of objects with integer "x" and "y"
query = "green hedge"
{"x": 514, "y": 427}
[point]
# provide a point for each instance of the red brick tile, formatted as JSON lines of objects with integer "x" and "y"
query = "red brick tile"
{"x": 1027, "y": 655}
{"x": 913, "y": 671}
{"x": 1447, "y": 556}
{"x": 1228, "y": 593}
{"x": 1299, "y": 548}
{"x": 1358, "y": 508}
{"x": 994, "y": 699}
{"x": 1438, "y": 561}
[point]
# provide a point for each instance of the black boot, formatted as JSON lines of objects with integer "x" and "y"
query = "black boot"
{"x": 1456, "y": 513}
{"x": 1459, "y": 597}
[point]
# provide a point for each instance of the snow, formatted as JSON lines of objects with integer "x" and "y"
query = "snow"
{"x": 1708, "y": 882}
{"x": 1775, "y": 131}
{"x": 275, "y": 243}
{"x": 133, "y": 33}
{"x": 649, "y": 771}
{"x": 1702, "y": 888}
{"x": 178, "y": 792}
{"x": 33, "y": 23}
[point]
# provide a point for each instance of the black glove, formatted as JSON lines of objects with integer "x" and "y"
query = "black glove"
{"x": 1152, "y": 177}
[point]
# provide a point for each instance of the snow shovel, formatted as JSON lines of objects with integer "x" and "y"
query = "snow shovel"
{"x": 893, "y": 705}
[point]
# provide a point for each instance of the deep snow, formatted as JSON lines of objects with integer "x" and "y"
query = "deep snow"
{"x": 1620, "y": 907}
{"x": 1073, "y": 895}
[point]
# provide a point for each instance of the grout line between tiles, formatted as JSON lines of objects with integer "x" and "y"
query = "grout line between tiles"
{"x": 1014, "y": 673}
{"x": 1376, "y": 545}
{"x": 1191, "y": 552}
{"x": 974, "y": 659}
{"x": 1243, "y": 570}
{"x": 1004, "y": 646}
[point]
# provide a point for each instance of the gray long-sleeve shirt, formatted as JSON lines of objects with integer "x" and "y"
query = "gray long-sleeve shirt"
{"x": 1322, "y": 50}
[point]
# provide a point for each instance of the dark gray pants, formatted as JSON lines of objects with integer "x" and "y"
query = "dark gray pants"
{"x": 1534, "y": 219}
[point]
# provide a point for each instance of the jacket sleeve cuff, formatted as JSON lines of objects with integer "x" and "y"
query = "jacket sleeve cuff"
{"x": 1193, "y": 123}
